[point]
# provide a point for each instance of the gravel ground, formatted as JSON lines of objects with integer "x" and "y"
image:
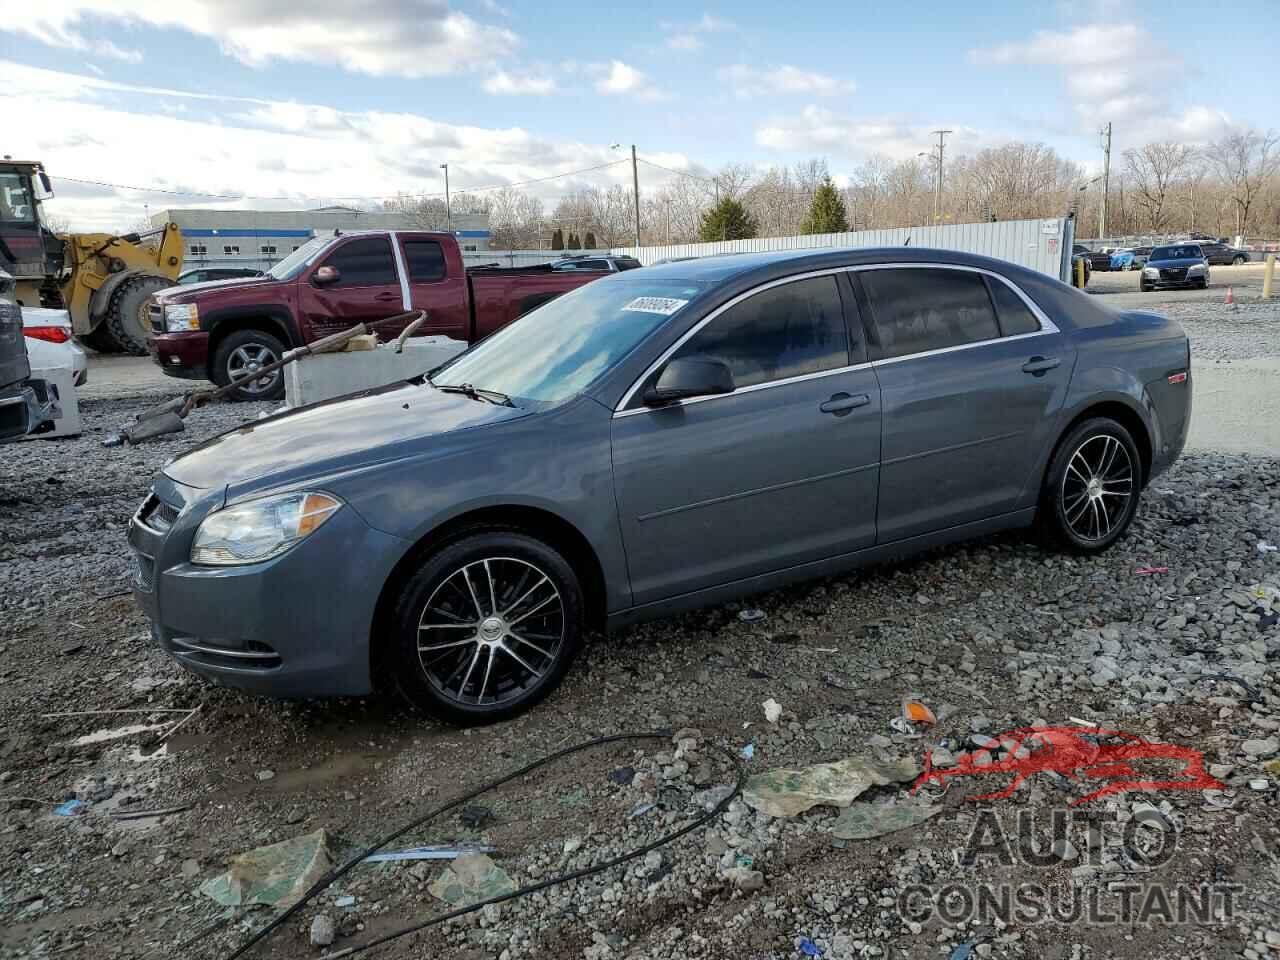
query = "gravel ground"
{"x": 994, "y": 636}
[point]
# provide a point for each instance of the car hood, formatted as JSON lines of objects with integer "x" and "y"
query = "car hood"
{"x": 190, "y": 291}
{"x": 333, "y": 436}
{"x": 1174, "y": 264}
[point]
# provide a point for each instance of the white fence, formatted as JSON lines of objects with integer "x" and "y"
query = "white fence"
{"x": 1042, "y": 245}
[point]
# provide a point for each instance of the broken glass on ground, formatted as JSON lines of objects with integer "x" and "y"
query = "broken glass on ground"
{"x": 786, "y": 793}
{"x": 471, "y": 879}
{"x": 275, "y": 875}
{"x": 863, "y": 821}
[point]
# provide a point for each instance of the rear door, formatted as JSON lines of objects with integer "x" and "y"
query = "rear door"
{"x": 969, "y": 394}
{"x": 368, "y": 287}
{"x": 781, "y": 472}
{"x": 437, "y": 284}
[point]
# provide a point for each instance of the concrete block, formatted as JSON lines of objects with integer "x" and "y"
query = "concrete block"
{"x": 334, "y": 374}
{"x": 69, "y": 423}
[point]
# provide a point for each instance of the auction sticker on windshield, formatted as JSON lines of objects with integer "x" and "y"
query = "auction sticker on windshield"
{"x": 663, "y": 305}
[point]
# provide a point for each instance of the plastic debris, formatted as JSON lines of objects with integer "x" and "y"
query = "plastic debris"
{"x": 809, "y": 948}
{"x": 278, "y": 874}
{"x": 862, "y": 821}
{"x": 786, "y": 793}
{"x": 748, "y": 752}
{"x": 963, "y": 951}
{"x": 475, "y": 815}
{"x": 344, "y": 901}
{"x": 1264, "y": 547}
{"x": 470, "y": 879}
{"x": 1148, "y": 571}
{"x": 913, "y": 711}
{"x": 71, "y": 808}
{"x": 435, "y": 852}
{"x": 751, "y": 615}
{"x": 772, "y": 710}
{"x": 640, "y": 810}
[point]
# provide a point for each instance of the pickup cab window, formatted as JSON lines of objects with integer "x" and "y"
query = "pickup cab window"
{"x": 363, "y": 262}
{"x": 425, "y": 260}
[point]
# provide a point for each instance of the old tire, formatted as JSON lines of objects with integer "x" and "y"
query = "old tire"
{"x": 127, "y": 318}
{"x": 486, "y": 627}
{"x": 100, "y": 339}
{"x": 1092, "y": 487}
{"x": 242, "y": 352}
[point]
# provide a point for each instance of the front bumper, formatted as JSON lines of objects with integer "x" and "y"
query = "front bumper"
{"x": 294, "y": 626}
{"x": 184, "y": 355}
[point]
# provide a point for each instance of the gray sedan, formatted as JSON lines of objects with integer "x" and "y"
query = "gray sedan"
{"x": 657, "y": 440}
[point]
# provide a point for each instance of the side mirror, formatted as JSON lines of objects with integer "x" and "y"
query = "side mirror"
{"x": 326, "y": 275}
{"x": 689, "y": 377}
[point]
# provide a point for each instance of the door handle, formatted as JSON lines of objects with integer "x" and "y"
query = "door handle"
{"x": 1040, "y": 365}
{"x": 842, "y": 403}
{"x": 385, "y": 297}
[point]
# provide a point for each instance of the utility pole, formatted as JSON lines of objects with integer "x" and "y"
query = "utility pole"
{"x": 635, "y": 185}
{"x": 448, "y": 208}
{"x": 1106, "y": 180}
{"x": 937, "y": 186}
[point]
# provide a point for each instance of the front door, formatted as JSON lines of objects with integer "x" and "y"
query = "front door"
{"x": 367, "y": 289}
{"x": 969, "y": 394}
{"x": 780, "y": 472}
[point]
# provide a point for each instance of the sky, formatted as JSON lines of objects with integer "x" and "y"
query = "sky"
{"x": 282, "y": 105}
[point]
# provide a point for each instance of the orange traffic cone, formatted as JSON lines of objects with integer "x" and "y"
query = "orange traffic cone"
{"x": 1231, "y": 300}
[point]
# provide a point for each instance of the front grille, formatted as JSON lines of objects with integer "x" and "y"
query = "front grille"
{"x": 156, "y": 313}
{"x": 243, "y": 657}
{"x": 1179, "y": 273}
{"x": 144, "y": 570}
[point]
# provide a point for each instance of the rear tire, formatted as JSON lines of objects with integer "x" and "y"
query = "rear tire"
{"x": 127, "y": 318}
{"x": 100, "y": 339}
{"x": 1092, "y": 487}
{"x": 1237, "y": 261}
{"x": 237, "y": 355}
{"x": 486, "y": 627}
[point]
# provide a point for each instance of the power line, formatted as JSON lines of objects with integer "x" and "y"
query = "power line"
{"x": 245, "y": 196}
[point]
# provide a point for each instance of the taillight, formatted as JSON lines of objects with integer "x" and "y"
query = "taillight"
{"x": 1180, "y": 377}
{"x": 51, "y": 334}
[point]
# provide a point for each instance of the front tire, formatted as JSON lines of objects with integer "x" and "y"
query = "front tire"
{"x": 127, "y": 318}
{"x": 243, "y": 352}
{"x": 100, "y": 340}
{"x": 486, "y": 627}
{"x": 1092, "y": 487}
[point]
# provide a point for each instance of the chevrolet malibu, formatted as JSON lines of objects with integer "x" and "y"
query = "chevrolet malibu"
{"x": 657, "y": 440}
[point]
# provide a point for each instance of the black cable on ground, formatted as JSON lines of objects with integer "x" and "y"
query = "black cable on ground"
{"x": 338, "y": 872}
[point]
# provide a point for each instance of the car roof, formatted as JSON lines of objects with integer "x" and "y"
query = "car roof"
{"x": 721, "y": 267}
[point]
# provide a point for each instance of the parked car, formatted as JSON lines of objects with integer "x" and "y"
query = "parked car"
{"x": 1219, "y": 254}
{"x": 659, "y": 440}
{"x": 1130, "y": 258}
{"x": 222, "y": 330}
{"x": 205, "y": 274}
{"x": 592, "y": 262}
{"x": 1080, "y": 254}
{"x": 27, "y": 405}
{"x": 51, "y": 344}
{"x": 1098, "y": 259}
{"x": 1177, "y": 265}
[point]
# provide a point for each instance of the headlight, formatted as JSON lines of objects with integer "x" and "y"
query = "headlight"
{"x": 1196, "y": 268}
{"x": 260, "y": 529}
{"x": 179, "y": 317}
{"x": 1150, "y": 272}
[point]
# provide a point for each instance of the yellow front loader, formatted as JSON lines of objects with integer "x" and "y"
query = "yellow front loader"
{"x": 101, "y": 279}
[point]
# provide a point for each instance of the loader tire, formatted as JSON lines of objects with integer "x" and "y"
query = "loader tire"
{"x": 100, "y": 339}
{"x": 127, "y": 316}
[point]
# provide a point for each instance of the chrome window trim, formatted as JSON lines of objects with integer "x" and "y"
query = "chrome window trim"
{"x": 406, "y": 299}
{"x": 1047, "y": 326}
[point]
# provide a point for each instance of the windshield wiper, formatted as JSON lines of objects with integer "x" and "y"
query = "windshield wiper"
{"x": 474, "y": 393}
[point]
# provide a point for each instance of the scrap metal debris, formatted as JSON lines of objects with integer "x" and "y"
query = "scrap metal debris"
{"x": 434, "y": 852}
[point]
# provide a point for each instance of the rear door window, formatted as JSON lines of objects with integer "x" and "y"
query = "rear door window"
{"x": 425, "y": 260}
{"x": 921, "y": 309}
{"x": 782, "y": 332}
{"x": 1015, "y": 316}
{"x": 363, "y": 262}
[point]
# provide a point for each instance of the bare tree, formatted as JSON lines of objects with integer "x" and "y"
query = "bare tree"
{"x": 1245, "y": 161}
{"x": 1153, "y": 170}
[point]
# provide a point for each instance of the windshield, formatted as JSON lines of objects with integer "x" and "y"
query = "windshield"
{"x": 15, "y": 199}
{"x": 554, "y": 352}
{"x": 1183, "y": 252}
{"x": 289, "y": 267}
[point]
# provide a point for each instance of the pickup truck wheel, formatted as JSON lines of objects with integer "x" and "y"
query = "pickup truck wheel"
{"x": 243, "y": 352}
{"x": 486, "y": 627}
{"x": 1091, "y": 488}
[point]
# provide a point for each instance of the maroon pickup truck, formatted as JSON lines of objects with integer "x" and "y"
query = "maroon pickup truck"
{"x": 224, "y": 329}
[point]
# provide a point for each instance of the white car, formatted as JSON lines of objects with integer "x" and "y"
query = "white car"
{"x": 50, "y": 343}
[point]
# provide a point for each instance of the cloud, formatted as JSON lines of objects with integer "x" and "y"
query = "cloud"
{"x": 748, "y": 82}
{"x": 519, "y": 84}
{"x": 302, "y": 155}
{"x": 410, "y": 38}
{"x": 819, "y": 130}
{"x": 618, "y": 78}
{"x": 687, "y": 37}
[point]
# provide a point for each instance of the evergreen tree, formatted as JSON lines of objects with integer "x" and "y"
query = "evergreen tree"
{"x": 573, "y": 243}
{"x": 590, "y": 241}
{"x": 557, "y": 239}
{"x": 827, "y": 213}
{"x": 727, "y": 220}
